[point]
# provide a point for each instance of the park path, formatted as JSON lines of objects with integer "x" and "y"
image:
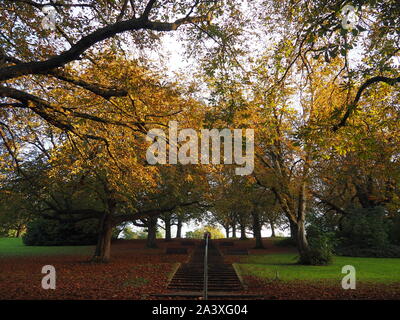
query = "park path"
{"x": 189, "y": 278}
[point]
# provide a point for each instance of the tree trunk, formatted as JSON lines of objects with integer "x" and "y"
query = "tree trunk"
{"x": 19, "y": 228}
{"x": 103, "y": 247}
{"x": 152, "y": 232}
{"x": 179, "y": 228}
{"x": 167, "y": 228}
{"x": 293, "y": 230}
{"x": 243, "y": 232}
{"x": 302, "y": 243}
{"x": 272, "y": 228}
{"x": 257, "y": 231}
{"x": 227, "y": 231}
{"x": 233, "y": 231}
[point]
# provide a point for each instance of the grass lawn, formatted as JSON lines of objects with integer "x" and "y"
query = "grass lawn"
{"x": 384, "y": 270}
{"x": 14, "y": 247}
{"x": 133, "y": 272}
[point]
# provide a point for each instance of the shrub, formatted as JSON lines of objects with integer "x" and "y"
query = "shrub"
{"x": 321, "y": 241}
{"x": 394, "y": 232}
{"x": 367, "y": 232}
{"x": 321, "y": 248}
{"x": 316, "y": 257}
{"x": 390, "y": 251}
{"x": 45, "y": 232}
{"x": 365, "y": 228}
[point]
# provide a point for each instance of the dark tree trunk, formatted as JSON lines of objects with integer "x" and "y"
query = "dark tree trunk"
{"x": 103, "y": 247}
{"x": 152, "y": 232}
{"x": 167, "y": 228}
{"x": 233, "y": 231}
{"x": 19, "y": 228}
{"x": 257, "y": 231}
{"x": 243, "y": 232}
{"x": 272, "y": 228}
{"x": 227, "y": 231}
{"x": 179, "y": 228}
{"x": 293, "y": 230}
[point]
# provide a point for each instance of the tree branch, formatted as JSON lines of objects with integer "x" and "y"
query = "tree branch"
{"x": 328, "y": 203}
{"x": 36, "y": 67}
{"x": 53, "y": 4}
{"x": 351, "y": 108}
{"x": 40, "y": 108}
{"x": 147, "y": 10}
{"x": 150, "y": 212}
{"x": 95, "y": 88}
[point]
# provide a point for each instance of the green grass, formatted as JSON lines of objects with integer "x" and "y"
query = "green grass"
{"x": 384, "y": 270}
{"x": 14, "y": 247}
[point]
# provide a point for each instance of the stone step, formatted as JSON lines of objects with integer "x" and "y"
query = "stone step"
{"x": 190, "y": 276}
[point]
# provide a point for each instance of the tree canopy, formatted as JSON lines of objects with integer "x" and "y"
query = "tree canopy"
{"x": 78, "y": 97}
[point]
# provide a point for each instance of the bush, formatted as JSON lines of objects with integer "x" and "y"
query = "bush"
{"x": 321, "y": 241}
{"x": 365, "y": 228}
{"x": 394, "y": 232}
{"x": 368, "y": 232}
{"x": 316, "y": 257}
{"x": 321, "y": 248}
{"x": 45, "y": 232}
{"x": 390, "y": 251}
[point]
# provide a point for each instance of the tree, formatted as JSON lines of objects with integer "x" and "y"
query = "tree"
{"x": 42, "y": 232}
{"x": 106, "y": 168}
{"x": 199, "y": 233}
{"x": 75, "y": 39}
{"x": 316, "y": 30}
{"x": 15, "y": 211}
{"x": 76, "y": 105}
